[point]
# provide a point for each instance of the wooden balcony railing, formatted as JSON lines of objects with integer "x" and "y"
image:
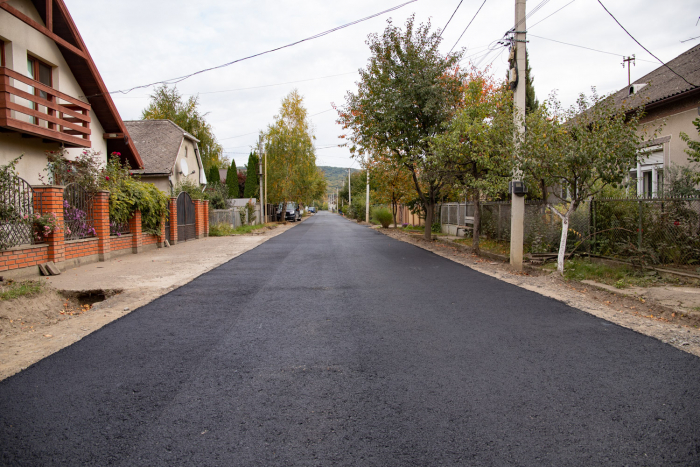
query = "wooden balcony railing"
{"x": 59, "y": 117}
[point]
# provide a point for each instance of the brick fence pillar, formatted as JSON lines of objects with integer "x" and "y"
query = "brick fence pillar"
{"x": 173, "y": 221}
{"x": 198, "y": 218}
{"x": 206, "y": 218}
{"x": 100, "y": 208}
{"x": 51, "y": 199}
{"x": 135, "y": 229}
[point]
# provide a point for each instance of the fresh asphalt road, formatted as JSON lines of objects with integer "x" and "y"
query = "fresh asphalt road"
{"x": 333, "y": 344}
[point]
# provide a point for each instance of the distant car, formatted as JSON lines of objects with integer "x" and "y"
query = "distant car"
{"x": 312, "y": 209}
{"x": 291, "y": 213}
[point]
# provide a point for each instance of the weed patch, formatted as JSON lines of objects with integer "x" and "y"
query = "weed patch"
{"x": 12, "y": 290}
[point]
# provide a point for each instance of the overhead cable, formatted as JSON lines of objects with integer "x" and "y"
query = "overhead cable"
{"x": 647, "y": 50}
{"x": 588, "y": 48}
{"x": 316, "y": 36}
{"x": 465, "y": 29}
{"x": 453, "y": 14}
{"x": 530, "y": 27}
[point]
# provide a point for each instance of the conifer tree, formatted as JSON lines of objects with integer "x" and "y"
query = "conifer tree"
{"x": 232, "y": 180}
{"x": 251, "y": 181}
{"x": 213, "y": 176}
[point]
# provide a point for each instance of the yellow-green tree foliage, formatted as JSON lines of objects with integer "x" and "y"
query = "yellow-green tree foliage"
{"x": 292, "y": 174}
{"x": 167, "y": 104}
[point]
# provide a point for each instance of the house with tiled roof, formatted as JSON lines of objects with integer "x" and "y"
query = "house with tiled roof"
{"x": 51, "y": 94}
{"x": 671, "y": 99}
{"x": 170, "y": 154}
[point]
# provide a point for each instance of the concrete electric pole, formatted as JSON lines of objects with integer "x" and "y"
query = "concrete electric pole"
{"x": 349, "y": 195}
{"x": 263, "y": 208}
{"x": 517, "y": 187}
{"x": 367, "y": 200}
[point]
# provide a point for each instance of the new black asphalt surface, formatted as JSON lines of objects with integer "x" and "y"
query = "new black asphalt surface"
{"x": 332, "y": 344}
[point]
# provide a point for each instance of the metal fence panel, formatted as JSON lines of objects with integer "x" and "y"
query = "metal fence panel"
{"x": 18, "y": 205}
{"x": 78, "y": 215}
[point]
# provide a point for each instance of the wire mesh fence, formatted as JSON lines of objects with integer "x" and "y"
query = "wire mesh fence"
{"x": 18, "y": 206}
{"x": 652, "y": 230}
{"x": 78, "y": 214}
{"x": 656, "y": 230}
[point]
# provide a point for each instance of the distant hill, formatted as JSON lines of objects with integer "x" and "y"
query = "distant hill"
{"x": 335, "y": 176}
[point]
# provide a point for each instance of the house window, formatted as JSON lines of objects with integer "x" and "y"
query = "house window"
{"x": 648, "y": 175}
{"x": 42, "y": 73}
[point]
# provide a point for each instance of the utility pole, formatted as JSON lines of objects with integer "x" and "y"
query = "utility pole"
{"x": 349, "y": 187}
{"x": 367, "y": 200}
{"x": 263, "y": 208}
{"x": 628, "y": 60}
{"x": 266, "y": 179}
{"x": 517, "y": 187}
{"x": 336, "y": 200}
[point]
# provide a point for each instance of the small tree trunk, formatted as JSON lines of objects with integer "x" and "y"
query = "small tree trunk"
{"x": 562, "y": 242}
{"x": 428, "y": 233}
{"x": 477, "y": 222}
{"x": 394, "y": 208}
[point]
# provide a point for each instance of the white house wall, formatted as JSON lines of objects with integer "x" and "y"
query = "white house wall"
{"x": 186, "y": 153}
{"x": 22, "y": 40}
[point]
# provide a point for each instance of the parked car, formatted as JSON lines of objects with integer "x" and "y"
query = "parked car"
{"x": 312, "y": 209}
{"x": 291, "y": 212}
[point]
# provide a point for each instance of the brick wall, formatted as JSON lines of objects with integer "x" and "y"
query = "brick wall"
{"x": 63, "y": 252}
{"x": 23, "y": 257}
{"x": 120, "y": 243}
{"x": 80, "y": 248}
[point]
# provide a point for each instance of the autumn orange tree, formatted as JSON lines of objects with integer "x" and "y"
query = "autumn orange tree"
{"x": 477, "y": 147}
{"x": 405, "y": 95}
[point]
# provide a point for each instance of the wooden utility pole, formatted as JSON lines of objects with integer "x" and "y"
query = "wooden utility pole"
{"x": 628, "y": 60}
{"x": 517, "y": 211}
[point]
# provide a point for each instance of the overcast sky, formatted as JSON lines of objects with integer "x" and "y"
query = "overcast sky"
{"x": 136, "y": 42}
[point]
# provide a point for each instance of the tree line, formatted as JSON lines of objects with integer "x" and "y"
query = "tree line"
{"x": 430, "y": 130}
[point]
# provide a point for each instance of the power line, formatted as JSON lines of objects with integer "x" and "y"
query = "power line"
{"x": 587, "y": 48}
{"x": 640, "y": 45}
{"x": 453, "y": 14}
{"x": 465, "y": 29}
{"x": 572, "y": 1}
{"x": 316, "y": 36}
{"x": 245, "y": 89}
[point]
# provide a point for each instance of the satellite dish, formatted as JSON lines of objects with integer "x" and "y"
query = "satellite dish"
{"x": 183, "y": 167}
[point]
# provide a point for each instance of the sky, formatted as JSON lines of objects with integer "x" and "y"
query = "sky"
{"x": 135, "y": 43}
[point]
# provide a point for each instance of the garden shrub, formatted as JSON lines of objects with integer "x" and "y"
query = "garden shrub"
{"x": 383, "y": 216}
{"x": 127, "y": 195}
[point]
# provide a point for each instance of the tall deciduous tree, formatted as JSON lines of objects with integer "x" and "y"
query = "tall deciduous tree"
{"x": 292, "y": 174}
{"x": 252, "y": 184}
{"x": 167, "y": 104}
{"x": 232, "y": 180}
{"x": 478, "y": 144}
{"x": 405, "y": 95}
{"x": 693, "y": 150}
{"x": 582, "y": 150}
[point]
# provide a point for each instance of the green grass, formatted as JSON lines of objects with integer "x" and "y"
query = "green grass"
{"x": 493, "y": 246}
{"x": 223, "y": 230}
{"x": 620, "y": 276}
{"x": 12, "y": 290}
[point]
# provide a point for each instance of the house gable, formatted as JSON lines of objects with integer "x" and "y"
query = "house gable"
{"x": 52, "y": 19}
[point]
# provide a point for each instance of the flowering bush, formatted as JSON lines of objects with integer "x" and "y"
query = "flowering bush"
{"x": 42, "y": 225}
{"x": 76, "y": 222}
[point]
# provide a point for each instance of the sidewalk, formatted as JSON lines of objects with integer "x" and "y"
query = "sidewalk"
{"x": 138, "y": 279}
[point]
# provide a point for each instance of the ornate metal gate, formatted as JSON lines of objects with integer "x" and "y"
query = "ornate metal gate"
{"x": 185, "y": 217}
